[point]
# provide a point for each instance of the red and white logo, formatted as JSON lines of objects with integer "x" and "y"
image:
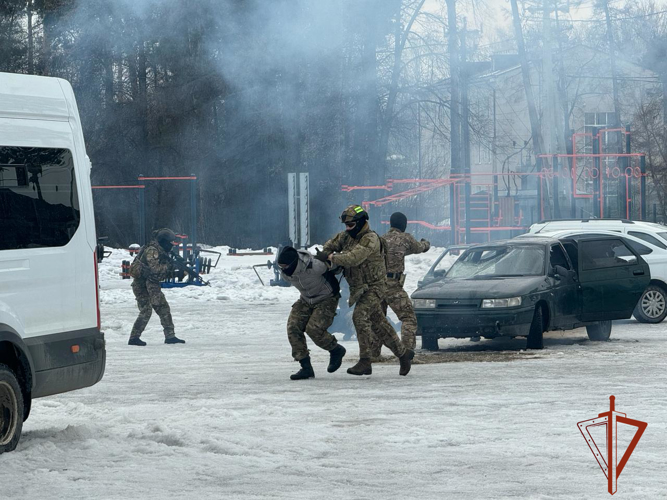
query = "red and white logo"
{"x": 611, "y": 466}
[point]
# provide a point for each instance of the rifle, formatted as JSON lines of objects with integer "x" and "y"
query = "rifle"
{"x": 183, "y": 265}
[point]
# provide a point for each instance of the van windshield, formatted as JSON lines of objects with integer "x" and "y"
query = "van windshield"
{"x": 501, "y": 261}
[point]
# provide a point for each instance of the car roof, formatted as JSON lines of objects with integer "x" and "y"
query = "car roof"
{"x": 564, "y": 223}
{"x": 565, "y": 234}
{"x": 526, "y": 239}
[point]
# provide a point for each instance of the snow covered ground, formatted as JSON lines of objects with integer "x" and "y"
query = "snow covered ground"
{"x": 219, "y": 417}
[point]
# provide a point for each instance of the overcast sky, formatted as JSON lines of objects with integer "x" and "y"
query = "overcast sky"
{"x": 492, "y": 15}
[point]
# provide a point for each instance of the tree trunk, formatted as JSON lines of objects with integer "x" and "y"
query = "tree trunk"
{"x": 31, "y": 41}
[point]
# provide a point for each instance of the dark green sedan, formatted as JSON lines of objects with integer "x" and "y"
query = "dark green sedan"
{"x": 527, "y": 286}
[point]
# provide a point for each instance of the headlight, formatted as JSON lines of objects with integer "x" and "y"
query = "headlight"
{"x": 491, "y": 303}
{"x": 423, "y": 303}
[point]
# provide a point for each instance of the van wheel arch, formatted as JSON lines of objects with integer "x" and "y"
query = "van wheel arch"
{"x": 17, "y": 359}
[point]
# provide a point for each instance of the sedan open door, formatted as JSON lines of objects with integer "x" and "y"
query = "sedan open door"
{"x": 612, "y": 278}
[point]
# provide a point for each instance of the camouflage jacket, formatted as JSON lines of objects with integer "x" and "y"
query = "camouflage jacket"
{"x": 157, "y": 261}
{"x": 398, "y": 246}
{"x": 362, "y": 261}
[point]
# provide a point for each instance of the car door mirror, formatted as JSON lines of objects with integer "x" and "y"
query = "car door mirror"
{"x": 439, "y": 273}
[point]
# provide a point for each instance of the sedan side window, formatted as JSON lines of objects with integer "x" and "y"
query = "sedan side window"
{"x": 557, "y": 258}
{"x": 605, "y": 253}
{"x": 648, "y": 238}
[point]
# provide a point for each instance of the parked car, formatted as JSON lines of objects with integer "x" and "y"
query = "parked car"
{"x": 50, "y": 338}
{"x": 655, "y": 234}
{"x": 652, "y": 305}
{"x": 526, "y": 286}
{"x": 442, "y": 264}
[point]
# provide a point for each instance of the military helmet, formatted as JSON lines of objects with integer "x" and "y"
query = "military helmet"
{"x": 164, "y": 236}
{"x": 354, "y": 213}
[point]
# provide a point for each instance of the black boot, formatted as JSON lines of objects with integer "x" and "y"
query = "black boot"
{"x": 336, "y": 358}
{"x": 406, "y": 362}
{"x": 135, "y": 341}
{"x": 363, "y": 367}
{"x": 174, "y": 340}
{"x": 305, "y": 372}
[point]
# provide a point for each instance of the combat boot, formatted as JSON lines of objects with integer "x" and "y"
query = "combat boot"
{"x": 305, "y": 372}
{"x": 336, "y": 358}
{"x": 135, "y": 341}
{"x": 363, "y": 367}
{"x": 406, "y": 362}
{"x": 174, "y": 340}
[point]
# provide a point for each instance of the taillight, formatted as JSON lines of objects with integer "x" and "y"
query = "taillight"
{"x": 97, "y": 292}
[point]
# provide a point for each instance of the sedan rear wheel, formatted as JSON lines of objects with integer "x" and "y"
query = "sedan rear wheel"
{"x": 652, "y": 307}
{"x": 600, "y": 331}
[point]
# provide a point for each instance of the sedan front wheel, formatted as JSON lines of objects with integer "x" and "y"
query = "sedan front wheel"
{"x": 652, "y": 307}
{"x": 599, "y": 331}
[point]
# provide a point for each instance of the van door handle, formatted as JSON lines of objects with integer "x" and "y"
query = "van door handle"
{"x": 638, "y": 272}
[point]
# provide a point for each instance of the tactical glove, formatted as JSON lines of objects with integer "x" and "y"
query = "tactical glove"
{"x": 427, "y": 244}
{"x": 322, "y": 256}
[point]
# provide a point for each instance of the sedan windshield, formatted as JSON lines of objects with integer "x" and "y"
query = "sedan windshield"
{"x": 499, "y": 262}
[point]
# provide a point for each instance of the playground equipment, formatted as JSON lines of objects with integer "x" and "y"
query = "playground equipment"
{"x": 601, "y": 178}
{"x": 187, "y": 251}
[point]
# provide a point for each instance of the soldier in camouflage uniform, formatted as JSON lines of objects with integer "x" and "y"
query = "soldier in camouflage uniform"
{"x": 358, "y": 251}
{"x": 314, "y": 312}
{"x": 399, "y": 244}
{"x": 153, "y": 265}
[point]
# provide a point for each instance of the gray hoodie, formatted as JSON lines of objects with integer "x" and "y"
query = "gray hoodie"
{"x": 309, "y": 279}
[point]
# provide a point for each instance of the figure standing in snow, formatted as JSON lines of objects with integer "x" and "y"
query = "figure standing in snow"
{"x": 151, "y": 266}
{"x": 399, "y": 244}
{"x": 315, "y": 310}
{"x": 358, "y": 251}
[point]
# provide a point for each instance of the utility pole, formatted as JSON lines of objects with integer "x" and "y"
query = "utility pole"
{"x": 552, "y": 143}
{"x": 535, "y": 126}
{"x": 465, "y": 124}
{"x": 454, "y": 113}
{"x": 612, "y": 60}
{"x": 566, "y": 129}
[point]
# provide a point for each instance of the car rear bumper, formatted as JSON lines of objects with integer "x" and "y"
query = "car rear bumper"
{"x": 67, "y": 361}
{"x": 491, "y": 323}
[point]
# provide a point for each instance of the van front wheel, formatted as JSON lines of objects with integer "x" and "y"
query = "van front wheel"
{"x": 11, "y": 410}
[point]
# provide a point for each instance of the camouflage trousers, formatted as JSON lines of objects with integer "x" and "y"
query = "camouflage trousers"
{"x": 149, "y": 296}
{"x": 371, "y": 323}
{"x": 314, "y": 321}
{"x": 399, "y": 301}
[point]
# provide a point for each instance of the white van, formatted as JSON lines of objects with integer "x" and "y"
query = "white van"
{"x": 655, "y": 234}
{"x": 50, "y": 338}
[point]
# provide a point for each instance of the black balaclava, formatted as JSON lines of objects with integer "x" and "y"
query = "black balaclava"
{"x": 357, "y": 228}
{"x": 399, "y": 221}
{"x": 165, "y": 238}
{"x": 289, "y": 256}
